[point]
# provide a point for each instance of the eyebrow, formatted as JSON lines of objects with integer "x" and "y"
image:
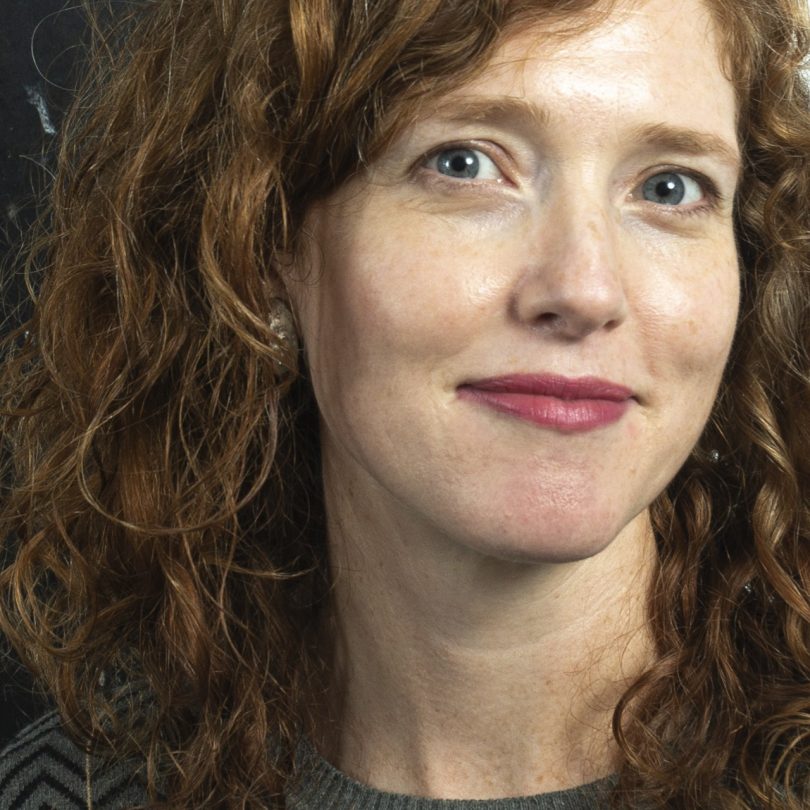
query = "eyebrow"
{"x": 524, "y": 116}
{"x": 513, "y": 112}
{"x": 689, "y": 142}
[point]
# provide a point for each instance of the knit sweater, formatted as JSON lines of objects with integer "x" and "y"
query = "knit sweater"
{"x": 42, "y": 769}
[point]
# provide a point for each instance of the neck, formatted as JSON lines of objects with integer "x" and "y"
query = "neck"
{"x": 459, "y": 675}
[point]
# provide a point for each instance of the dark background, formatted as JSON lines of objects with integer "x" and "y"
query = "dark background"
{"x": 42, "y": 55}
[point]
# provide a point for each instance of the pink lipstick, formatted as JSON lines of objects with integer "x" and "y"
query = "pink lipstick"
{"x": 565, "y": 404}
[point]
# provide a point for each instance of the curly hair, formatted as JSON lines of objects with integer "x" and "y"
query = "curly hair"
{"x": 162, "y": 513}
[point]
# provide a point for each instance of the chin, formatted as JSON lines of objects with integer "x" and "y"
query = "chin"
{"x": 541, "y": 549}
{"x": 566, "y": 541}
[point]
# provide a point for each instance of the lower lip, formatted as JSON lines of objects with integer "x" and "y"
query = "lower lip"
{"x": 564, "y": 415}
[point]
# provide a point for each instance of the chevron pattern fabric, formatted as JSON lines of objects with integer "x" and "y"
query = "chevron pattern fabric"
{"x": 43, "y": 769}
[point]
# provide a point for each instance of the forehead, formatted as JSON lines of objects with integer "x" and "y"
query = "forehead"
{"x": 634, "y": 62}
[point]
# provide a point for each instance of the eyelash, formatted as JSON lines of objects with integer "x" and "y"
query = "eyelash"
{"x": 712, "y": 197}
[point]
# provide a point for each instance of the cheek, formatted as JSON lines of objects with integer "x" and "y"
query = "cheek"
{"x": 363, "y": 323}
{"x": 692, "y": 310}
{"x": 384, "y": 303}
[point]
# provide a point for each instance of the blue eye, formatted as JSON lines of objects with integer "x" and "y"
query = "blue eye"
{"x": 462, "y": 163}
{"x": 671, "y": 188}
{"x": 459, "y": 163}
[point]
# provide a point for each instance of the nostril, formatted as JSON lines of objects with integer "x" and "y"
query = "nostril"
{"x": 547, "y": 319}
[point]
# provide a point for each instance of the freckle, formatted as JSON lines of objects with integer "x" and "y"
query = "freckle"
{"x": 592, "y": 227}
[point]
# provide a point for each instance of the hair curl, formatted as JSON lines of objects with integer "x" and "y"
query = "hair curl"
{"x": 162, "y": 508}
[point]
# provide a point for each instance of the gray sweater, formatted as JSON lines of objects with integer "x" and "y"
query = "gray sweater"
{"x": 42, "y": 768}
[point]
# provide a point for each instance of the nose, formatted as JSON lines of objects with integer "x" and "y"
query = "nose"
{"x": 574, "y": 283}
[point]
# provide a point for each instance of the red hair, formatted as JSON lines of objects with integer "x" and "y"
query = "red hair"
{"x": 163, "y": 501}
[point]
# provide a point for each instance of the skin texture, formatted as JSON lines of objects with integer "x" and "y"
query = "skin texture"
{"x": 490, "y": 572}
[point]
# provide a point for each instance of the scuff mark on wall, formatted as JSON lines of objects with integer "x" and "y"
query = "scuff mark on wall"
{"x": 37, "y": 101}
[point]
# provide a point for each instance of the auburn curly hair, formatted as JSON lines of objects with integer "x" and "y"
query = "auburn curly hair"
{"x": 161, "y": 511}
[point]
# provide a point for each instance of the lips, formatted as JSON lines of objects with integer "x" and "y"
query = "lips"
{"x": 560, "y": 403}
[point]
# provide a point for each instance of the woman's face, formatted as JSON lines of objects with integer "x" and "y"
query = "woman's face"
{"x": 518, "y": 319}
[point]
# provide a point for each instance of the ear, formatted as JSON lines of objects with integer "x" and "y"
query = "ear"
{"x": 293, "y": 277}
{"x": 275, "y": 286}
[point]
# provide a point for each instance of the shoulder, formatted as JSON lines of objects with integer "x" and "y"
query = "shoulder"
{"x": 43, "y": 767}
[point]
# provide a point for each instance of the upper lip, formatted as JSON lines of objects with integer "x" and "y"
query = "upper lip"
{"x": 554, "y": 385}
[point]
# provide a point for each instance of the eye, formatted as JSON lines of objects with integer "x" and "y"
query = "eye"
{"x": 463, "y": 163}
{"x": 672, "y": 188}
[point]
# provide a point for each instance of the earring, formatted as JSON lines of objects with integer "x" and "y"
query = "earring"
{"x": 280, "y": 319}
{"x": 711, "y": 456}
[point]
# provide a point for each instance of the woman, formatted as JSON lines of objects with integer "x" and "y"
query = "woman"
{"x": 414, "y": 410}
